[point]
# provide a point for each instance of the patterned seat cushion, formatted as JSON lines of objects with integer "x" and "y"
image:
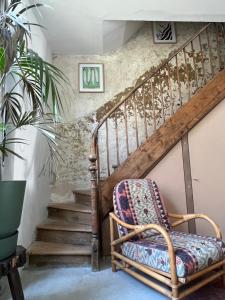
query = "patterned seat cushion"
{"x": 193, "y": 252}
{"x": 138, "y": 202}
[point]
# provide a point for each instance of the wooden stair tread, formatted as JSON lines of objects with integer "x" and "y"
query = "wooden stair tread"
{"x": 46, "y": 248}
{"x": 78, "y": 207}
{"x": 54, "y": 224}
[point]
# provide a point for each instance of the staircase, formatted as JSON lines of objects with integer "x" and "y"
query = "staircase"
{"x": 65, "y": 237}
{"x": 130, "y": 140}
{"x": 149, "y": 120}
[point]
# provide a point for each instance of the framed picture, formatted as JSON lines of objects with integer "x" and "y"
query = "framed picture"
{"x": 91, "y": 78}
{"x": 164, "y": 33}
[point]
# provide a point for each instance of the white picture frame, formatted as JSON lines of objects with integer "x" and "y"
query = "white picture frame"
{"x": 91, "y": 78}
{"x": 164, "y": 33}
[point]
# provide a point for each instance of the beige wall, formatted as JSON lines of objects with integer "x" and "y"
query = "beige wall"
{"x": 207, "y": 158}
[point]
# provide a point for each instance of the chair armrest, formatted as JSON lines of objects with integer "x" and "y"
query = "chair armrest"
{"x": 188, "y": 217}
{"x": 126, "y": 225}
{"x": 137, "y": 229}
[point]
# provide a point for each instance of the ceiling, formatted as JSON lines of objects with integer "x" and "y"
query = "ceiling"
{"x": 95, "y": 26}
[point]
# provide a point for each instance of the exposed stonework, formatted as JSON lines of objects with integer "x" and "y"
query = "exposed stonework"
{"x": 73, "y": 147}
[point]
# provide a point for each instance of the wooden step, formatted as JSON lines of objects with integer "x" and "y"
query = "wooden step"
{"x": 76, "y": 213}
{"x": 54, "y": 224}
{"x": 77, "y": 207}
{"x": 47, "y": 248}
{"x": 60, "y": 231}
{"x": 82, "y": 196}
{"x": 42, "y": 253}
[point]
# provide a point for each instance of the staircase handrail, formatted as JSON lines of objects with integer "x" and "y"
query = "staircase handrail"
{"x": 94, "y": 154}
{"x": 136, "y": 87}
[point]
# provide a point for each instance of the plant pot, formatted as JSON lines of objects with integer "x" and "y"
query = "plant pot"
{"x": 11, "y": 204}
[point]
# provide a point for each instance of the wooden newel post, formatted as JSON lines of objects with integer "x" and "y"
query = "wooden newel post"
{"x": 95, "y": 214}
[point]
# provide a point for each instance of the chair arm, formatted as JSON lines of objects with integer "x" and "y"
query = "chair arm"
{"x": 188, "y": 217}
{"x": 137, "y": 229}
{"x": 126, "y": 225}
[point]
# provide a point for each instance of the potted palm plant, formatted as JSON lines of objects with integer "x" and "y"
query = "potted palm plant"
{"x": 29, "y": 96}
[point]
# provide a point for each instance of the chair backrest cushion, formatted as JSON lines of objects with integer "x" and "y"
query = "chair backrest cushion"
{"x": 138, "y": 202}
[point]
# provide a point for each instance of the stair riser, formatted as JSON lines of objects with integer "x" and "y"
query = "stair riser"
{"x": 74, "y": 260}
{"x": 70, "y": 216}
{"x": 65, "y": 237}
{"x": 81, "y": 198}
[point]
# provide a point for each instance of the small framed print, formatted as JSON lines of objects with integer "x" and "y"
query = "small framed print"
{"x": 164, "y": 33}
{"x": 91, "y": 78}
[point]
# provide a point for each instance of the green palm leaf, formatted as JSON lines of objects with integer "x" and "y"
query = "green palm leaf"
{"x": 2, "y": 59}
{"x": 37, "y": 85}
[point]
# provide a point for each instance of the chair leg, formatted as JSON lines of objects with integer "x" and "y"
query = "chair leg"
{"x": 112, "y": 247}
{"x": 15, "y": 285}
{"x": 223, "y": 278}
{"x": 113, "y": 267}
{"x": 174, "y": 292}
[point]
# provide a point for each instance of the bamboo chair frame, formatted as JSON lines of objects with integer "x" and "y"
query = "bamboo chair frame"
{"x": 172, "y": 283}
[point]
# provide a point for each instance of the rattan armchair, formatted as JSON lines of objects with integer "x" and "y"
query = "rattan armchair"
{"x": 180, "y": 263}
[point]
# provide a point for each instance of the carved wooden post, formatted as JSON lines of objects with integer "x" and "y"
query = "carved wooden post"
{"x": 95, "y": 214}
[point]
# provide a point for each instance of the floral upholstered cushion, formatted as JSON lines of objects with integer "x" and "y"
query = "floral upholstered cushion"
{"x": 138, "y": 202}
{"x": 193, "y": 252}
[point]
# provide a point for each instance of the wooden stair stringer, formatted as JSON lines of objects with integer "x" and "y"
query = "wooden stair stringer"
{"x": 145, "y": 158}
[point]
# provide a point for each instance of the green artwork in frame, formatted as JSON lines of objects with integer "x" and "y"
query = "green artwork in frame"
{"x": 91, "y": 78}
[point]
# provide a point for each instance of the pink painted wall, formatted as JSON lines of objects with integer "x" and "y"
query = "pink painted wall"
{"x": 207, "y": 157}
{"x": 170, "y": 178}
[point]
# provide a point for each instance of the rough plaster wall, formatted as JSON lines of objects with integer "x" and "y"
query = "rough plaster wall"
{"x": 122, "y": 68}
